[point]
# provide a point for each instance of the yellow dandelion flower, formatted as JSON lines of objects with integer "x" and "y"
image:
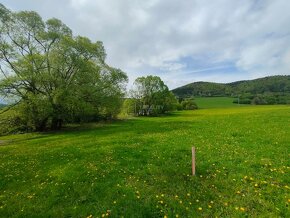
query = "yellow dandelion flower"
{"x": 209, "y": 206}
{"x": 115, "y": 202}
{"x": 165, "y": 216}
{"x": 226, "y": 204}
{"x": 236, "y": 208}
{"x": 103, "y": 215}
{"x": 200, "y": 208}
{"x": 176, "y": 215}
{"x": 242, "y": 209}
{"x": 188, "y": 194}
{"x": 238, "y": 192}
{"x": 180, "y": 202}
{"x": 256, "y": 185}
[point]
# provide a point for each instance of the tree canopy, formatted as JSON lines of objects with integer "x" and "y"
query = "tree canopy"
{"x": 52, "y": 75}
{"x": 152, "y": 96}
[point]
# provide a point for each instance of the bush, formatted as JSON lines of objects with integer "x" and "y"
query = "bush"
{"x": 12, "y": 122}
{"x": 189, "y": 105}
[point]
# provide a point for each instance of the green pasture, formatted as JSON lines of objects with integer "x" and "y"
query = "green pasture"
{"x": 215, "y": 102}
{"x": 141, "y": 167}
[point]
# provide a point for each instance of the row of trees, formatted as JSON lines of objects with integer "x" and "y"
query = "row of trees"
{"x": 52, "y": 77}
{"x": 263, "y": 99}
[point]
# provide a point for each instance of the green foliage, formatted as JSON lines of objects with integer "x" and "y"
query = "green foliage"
{"x": 12, "y": 122}
{"x": 56, "y": 77}
{"x": 279, "y": 85}
{"x": 129, "y": 107}
{"x": 142, "y": 167}
{"x": 152, "y": 97}
{"x": 263, "y": 99}
{"x": 188, "y": 104}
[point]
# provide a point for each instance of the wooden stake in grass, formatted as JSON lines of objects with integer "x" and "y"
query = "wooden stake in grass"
{"x": 193, "y": 161}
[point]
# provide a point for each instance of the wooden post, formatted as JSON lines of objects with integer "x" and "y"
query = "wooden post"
{"x": 193, "y": 161}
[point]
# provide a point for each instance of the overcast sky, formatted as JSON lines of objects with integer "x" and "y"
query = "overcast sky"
{"x": 181, "y": 41}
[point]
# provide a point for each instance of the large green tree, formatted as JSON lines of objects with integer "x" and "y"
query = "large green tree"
{"x": 152, "y": 96}
{"x": 52, "y": 75}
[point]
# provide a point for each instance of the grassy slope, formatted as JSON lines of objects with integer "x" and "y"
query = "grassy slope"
{"x": 215, "y": 102}
{"x": 141, "y": 167}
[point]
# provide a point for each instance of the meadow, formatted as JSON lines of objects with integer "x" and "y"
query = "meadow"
{"x": 216, "y": 102}
{"x": 141, "y": 167}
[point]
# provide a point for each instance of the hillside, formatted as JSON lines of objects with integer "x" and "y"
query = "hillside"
{"x": 272, "y": 84}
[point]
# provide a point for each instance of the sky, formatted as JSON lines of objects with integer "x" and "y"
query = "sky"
{"x": 180, "y": 41}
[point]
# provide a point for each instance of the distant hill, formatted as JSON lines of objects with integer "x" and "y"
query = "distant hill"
{"x": 267, "y": 85}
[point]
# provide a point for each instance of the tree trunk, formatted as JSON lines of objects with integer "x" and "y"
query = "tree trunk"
{"x": 41, "y": 125}
{"x": 56, "y": 123}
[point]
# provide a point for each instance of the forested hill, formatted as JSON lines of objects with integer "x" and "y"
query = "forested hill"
{"x": 266, "y": 85}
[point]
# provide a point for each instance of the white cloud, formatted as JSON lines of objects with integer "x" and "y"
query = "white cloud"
{"x": 147, "y": 37}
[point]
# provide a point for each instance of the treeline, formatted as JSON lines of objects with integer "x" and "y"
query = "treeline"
{"x": 263, "y": 99}
{"x": 277, "y": 87}
{"x": 51, "y": 78}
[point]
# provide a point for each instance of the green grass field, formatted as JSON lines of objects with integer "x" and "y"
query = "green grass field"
{"x": 141, "y": 167}
{"x": 215, "y": 102}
